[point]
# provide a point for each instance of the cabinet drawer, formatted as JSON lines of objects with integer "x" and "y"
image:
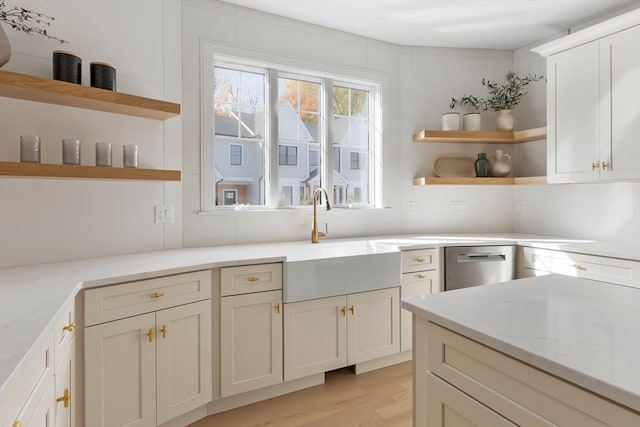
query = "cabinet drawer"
{"x": 250, "y": 278}
{"x": 144, "y": 296}
{"x": 420, "y": 259}
{"x": 29, "y": 383}
{"x": 64, "y": 331}
{"x": 612, "y": 270}
{"x": 520, "y": 392}
{"x": 428, "y": 278}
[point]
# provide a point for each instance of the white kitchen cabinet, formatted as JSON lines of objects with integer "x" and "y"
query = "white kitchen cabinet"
{"x": 373, "y": 325}
{"x": 538, "y": 262}
{"x": 592, "y": 117}
{"x": 477, "y": 385}
{"x": 148, "y": 368}
{"x": 64, "y": 381}
{"x": 39, "y": 412}
{"x": 315, "y": 336}
{"x": 420, "y": 276}
{"x": 330, "y": 333}
{"x": 250, "y": 341}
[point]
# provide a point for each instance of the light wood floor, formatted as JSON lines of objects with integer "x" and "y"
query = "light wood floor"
{"x": 377, "y": 398}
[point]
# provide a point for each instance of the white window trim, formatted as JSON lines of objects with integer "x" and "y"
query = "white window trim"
{"x": 213, "y": 53}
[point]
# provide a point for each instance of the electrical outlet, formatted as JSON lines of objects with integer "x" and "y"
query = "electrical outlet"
{"x": 411, "y": 207}
{"x": 521, "y": 207}
{"x": 164, "y": 214}
{"x": 458, "y": 207}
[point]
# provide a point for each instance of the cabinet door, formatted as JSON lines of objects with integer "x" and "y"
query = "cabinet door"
{"x": 620, "y": 87}
{"x": 39, "y": 413}
{"x": 373, "y": 325}
{"x": 315, "y": 337}
{"x": 64, "y": 379}
{"x": 446, "y": 406}
{"x": 414, "y": 284}
{"x": 573, "y": 100}
{"x": 184, "y": 359}
{"x": 250, "y": 342}
{"x": 120, "y": 373}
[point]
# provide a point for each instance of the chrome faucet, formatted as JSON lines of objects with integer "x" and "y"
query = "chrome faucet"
{"x": 315, "y": 234}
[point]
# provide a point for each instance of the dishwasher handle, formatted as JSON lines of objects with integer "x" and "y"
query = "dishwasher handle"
{"x": 462, "y": 258}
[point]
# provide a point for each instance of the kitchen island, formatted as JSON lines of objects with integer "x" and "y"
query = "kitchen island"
{"x": 551, "y": 350}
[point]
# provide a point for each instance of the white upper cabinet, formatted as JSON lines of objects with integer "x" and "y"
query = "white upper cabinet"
{"x": 592, "y": 109}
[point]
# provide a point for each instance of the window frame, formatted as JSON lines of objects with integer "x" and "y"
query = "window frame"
{"x": 217, "y": 54}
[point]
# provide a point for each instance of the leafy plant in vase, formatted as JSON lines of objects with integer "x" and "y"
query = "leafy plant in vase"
{"x": 506, "y": 96}
{"x": 472, "y": 119}
{"x": 24, "y": 20}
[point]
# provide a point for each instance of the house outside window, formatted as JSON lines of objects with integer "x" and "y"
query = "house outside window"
{"x": 309, "y": 120}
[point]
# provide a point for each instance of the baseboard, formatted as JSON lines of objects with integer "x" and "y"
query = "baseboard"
{"x": 232, "y": 402}
{"x": 383, "y": 362}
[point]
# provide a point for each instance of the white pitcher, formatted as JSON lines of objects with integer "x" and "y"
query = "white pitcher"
{"x": 500, "y": 166}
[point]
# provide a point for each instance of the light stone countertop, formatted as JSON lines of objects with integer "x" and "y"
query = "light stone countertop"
{"x": 583, "y": 331}
{"x": 32, "y": 296}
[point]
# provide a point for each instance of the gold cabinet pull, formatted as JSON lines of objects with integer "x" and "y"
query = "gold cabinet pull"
{"x": 421, "y": 276}
{"x": 577, "y": 266}
{"x": 605, "y": 165}
{"x": 344, "y": 311}
{"x": 253, "y": 279}
{"x": 157, "y": 295}
{"x": 352, "y": 309}
{"x": 17, "y": 424}
{"x": 164, "y": 331}
{"x": 278, "y": 308}
{"x": 594, "y": 166}
{"x": 150, "y": 334}
{"x": 420, "y": 260}
{"x": 66, "y": 397}
{"x": 70, "y": 327}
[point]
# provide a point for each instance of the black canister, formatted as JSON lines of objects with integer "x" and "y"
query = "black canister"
{"x": 67, "y": 67}
{"x": 103, "y": 76}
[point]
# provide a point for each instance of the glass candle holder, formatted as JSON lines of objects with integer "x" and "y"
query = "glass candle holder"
{"x": 71, "y": 151}
{"x": 30, "y": 148}
{"x": 130, "y": 156}
{"x": 103, "y": 154}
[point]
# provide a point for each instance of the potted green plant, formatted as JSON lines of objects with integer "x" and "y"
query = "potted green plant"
{"x": 472, "y": 119}
{"x": 504, "y": 97}
{"x": 25, "y": 20}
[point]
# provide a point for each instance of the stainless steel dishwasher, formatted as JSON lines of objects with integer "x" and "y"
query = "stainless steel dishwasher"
{"x": 467, "y": 266}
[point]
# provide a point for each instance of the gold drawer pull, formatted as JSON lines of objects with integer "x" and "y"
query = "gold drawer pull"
{"x": 605, "y": 165}
{"x": 421, "y": 276}
{"x": 17, "y": 424}
{"x": 150, "y": 335}
{"x": 70, "y": 327}
{"x": 344, "y": 311}
{"x": 164, "y": 331}
{"x": 278, "y": 308}
{"x": 578, "y": 267}
{"x": 253, "y": 279}
{"x": 66, "y": 397}
{"x": 352, "y": 309}
{"x": 157, "y": 295}
{"x": 594, "y": 166}
{"x": 420, "y": 260}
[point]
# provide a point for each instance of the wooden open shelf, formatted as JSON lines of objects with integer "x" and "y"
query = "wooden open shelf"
{"x": 31, "y": 88}
{"x": 481, "y": 136}
{"x": 433, "y": 180}
{"x": 18, "y": 169}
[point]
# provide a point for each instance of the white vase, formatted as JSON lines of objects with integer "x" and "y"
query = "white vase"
{"x": 451, "y": 121}
{"x": 500, "y": 166}
{"x": 471, "y": 121}
{"x": 5, "y": 47}
{"x": 505, "y": 121}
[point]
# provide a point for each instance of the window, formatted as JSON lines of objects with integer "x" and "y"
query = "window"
{"x": 287, "y": 155}
{"x": 357, "y": 195}
{"x": 235, "y": 155}
{"x": 354, "y": 160}
{"x": 276, "y": 133}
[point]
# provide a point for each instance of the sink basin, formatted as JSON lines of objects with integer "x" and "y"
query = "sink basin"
{"x": 338, "y": 268}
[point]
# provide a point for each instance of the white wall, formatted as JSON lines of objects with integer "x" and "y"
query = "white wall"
{"x": 44, "y": 220}
{"x": 417, "y": 86}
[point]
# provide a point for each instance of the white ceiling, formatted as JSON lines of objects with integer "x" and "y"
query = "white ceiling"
{"x": 491, "y": 24}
